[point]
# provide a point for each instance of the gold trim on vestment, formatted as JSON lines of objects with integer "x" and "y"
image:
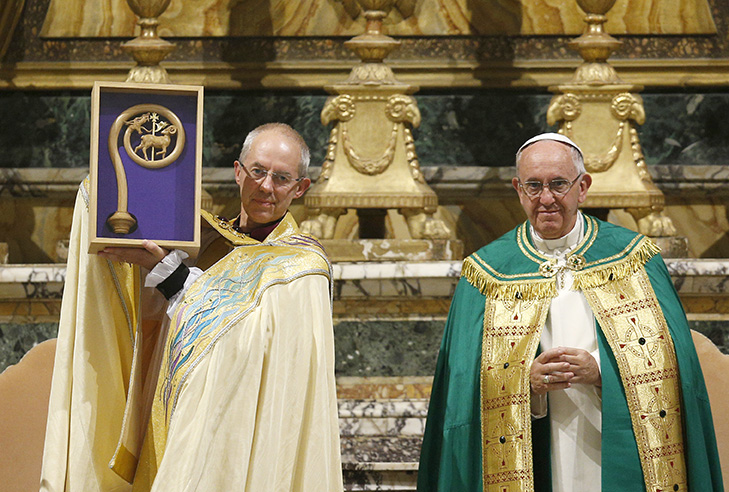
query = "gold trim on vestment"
{"x": 636, "y": 330}
{"x": 511, "y": 333}
{"x": 526, "y": 247}
{"x": 643, "y": 249}
{"x": 226, "y": 228}
{"x": 127, "y": 283}
{"x": 475, "y": 272}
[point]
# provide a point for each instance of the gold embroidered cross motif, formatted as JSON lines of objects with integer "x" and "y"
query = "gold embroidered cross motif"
{"x": 517, "y": 307}
{"x": 502, "y": 439}
{"x": 503, "y": 370}
{"x": 663, "y": 412}
{"x": 641, "y": 340}
{"x": 671, "y": 474}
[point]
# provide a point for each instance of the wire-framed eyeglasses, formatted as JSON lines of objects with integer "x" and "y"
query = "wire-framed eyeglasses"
{"x": 558, "y": 186}
{"x": 280, "y": 180}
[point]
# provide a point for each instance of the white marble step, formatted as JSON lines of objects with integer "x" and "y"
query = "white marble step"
{"x": 380, "y": 442}
{"x": 371, "y": 418}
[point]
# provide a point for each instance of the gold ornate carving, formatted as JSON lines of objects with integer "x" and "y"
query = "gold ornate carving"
{"x": 599, "y": 112}
{"x": 623, "y": 107}
{"x": 596, "y": 73}
{"x": 422, "y": 224}
{"x": 565, "y": 107}
{"x": 626, "y": 106}
{"x": 148, "y": 49}
{"x": 371, "y": 160}
{"x": 326, "y": 167}
{"x": 412, "y": 156}
{"x": 652, "y": 221}
{"x": 377, "y": 165}
{"x": 401, "y": 108}
{"x": 372, "y": 200}
{"x": 144, "y": 119}
{"x": 338, "y": 108}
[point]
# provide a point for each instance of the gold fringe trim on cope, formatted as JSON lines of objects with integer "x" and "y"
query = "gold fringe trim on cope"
{"x": 498, "y": 289}
{"x": 601, "y": 275}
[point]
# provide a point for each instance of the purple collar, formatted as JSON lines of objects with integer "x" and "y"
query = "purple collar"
{"x": 260, "y": 233}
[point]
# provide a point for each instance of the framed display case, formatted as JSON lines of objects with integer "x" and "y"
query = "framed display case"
{"x": 146, "y": 165}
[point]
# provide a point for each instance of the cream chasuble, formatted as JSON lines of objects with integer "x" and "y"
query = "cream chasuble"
{"x": 574, "y": 413}
{"x": 247, "y": 398}
{"x": 92, "y": 371}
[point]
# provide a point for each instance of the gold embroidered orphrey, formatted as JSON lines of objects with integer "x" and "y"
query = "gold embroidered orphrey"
{"x": 156, "y": 125}
{"x": 625, "y": 305}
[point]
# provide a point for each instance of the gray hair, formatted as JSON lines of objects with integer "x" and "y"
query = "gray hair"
{"x": 286, "y": 131}
{"x": 575, "y": 152}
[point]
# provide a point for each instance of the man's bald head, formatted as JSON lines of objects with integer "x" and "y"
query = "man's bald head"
{"x": 284, "y": 130}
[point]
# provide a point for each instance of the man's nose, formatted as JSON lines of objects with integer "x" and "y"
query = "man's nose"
{"x": 267, "y": 182}
{"x": 546, "y": 196}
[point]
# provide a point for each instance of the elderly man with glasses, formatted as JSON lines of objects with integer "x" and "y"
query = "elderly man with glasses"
{"x": 235, "y": 389}
{"x": 567, "y": 363}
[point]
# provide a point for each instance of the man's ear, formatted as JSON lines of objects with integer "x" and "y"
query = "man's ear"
{"x": 585, "y": 184}
{"x": 515, "y": 184}
{"x": 303, "y": 185}
{"x": 238, "y": 168}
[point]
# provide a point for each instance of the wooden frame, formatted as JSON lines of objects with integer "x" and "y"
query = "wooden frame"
{"x": 145, "y": 165}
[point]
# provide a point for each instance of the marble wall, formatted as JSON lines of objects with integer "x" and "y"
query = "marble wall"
{"x": 657, "y": 36}
{"x": 84, "y": 18}
{"x": 466, "y": 128}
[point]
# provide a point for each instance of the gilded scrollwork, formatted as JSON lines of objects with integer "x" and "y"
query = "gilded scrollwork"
{"x": 401, "y": 108}
{"x": 596, "y": 73}
{"x": 601, "y": 163}
{"x": 566, "y": 107}
{"x": 423, "y": 225}
{"x": 373, "y": 73}
{"x": 652, "y": 221}
{"x": 638, "y": 157}
{"x": 339, "y": 108}
{"x": 626, "y": 106}
{"x": 321, "y": 223}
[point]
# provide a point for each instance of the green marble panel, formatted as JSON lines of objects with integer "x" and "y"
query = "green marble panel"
{"x": 387, "y": 348}
{"x": 476, "y": 128}
{"x": 44, "y": 129}
{"x": 16, "y": 339}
